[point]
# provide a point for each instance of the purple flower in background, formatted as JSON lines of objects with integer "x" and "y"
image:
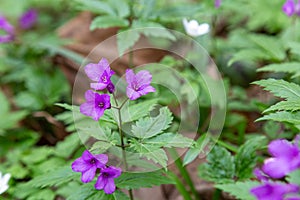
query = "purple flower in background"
{"x": 217, "y": 3}
{"x": 286, "y": 158}
{"x": 260, "y": 175}
{"x": 289, "y": 7}
{"x": 138, "y": 84}
{"x": 274, "y": 191}
{"x": 95, "y": 104}
{"x": 100, "y": 73}
{"x": 106, "y": 179}
{"x": 8, "y": 29}
{"x": 28, "y": 19}
{"x": 87, "y": 164}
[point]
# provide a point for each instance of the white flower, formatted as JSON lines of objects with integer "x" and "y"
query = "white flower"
{"x": 192, "y": 28}
{"x": 3, "y": 182}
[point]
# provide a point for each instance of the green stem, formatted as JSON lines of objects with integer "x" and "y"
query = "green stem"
{"x": 122, "y": 141}
{"x": 227, "y": 146}
{"x": 184, "y": 172}
{"x": 217, "y": 194}
{"x": 180, "y": 187}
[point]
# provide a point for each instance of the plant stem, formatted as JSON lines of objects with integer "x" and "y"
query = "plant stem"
{"x": 180, "y": 187}
{"x": 217, "y": 194}
{"x": 122, "y": 140}
{"x": 184, "y": 173}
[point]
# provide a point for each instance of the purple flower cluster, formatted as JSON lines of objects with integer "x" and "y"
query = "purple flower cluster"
{"x": 8, "y": 29}
{"x": 218, "y": 3}
{"x": 101, "y": 73}
{"x": 290, "y": 8}
{"x": 285, "y": 159}
{"x": 26, "y": 21}
{"x": 88, "y": 164}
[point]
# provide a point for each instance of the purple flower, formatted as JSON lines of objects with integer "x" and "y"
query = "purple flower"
{"x": 106, "y": 179}
{"x": 95, "y": 104}
{"x": 289, "y": 7}
{"x": 274, "y": 191}
{"x": 217, "y": 3}
{"x": 260, "y": 175}
{"x": 286, "y": 158}
{"x": 87, "y": 164}
{"x": 28, "y": 19}
{"x": 100, "y": 73}
{"x": 8, "y": 29}
{"x": 138, "y": 84}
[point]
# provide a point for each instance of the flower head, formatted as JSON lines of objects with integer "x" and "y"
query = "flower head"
{"x": 289, "y": 7}
{"x": 217, "y": 3}
{"x": 28, "y": 19}
{"x": 100, "y": 73}
{"x": 8, "y": 29}
{"x": 274, "y": 191}
{"x": 95, "y": 104}
{"x": 138, "y": 84}
{"x": 192, "y": 28}
{"x": 106, "y": 179}
{"x": 88, "y": 164}
{"x": 286, "y": 158}
{"x": 4, "y": 182}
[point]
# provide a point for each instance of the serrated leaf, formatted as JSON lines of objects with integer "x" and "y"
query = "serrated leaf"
{"x": 248, "y": 55}
{"x": 126, "y": 39}
{"x": 151, "y": 126}
{"x": 245, "y": 159}
{"x": 283, "y": 116}
{"x": 71, "y": 143}
{"x": 137, "y": 111}
{"x": 281, "y": 88}
{"x": 142, "y": 180}
{"x": 54, "y": 178}
{"x": 291, "y": 67}
{"x": 107, "y": 22}
{"x": 272, "y": 46}
{"x": 220, "y": 166}
{"x": 121, "y": 7}
{"x": 95, "y": 6}
{"x": 152, "y": 29}
{"x": 194, "y": 151}
{"x": 45, "y": 194}
{"x": 169, "y": 140}
{"x": 82, "y": 193}
{"x": 239, "y": 190}
{"x": 150, "y": 152}
{"x": 284, "y": 105}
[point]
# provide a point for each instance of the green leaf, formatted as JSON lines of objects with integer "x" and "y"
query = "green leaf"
{"x": 294, "y": 177}
{"x": 83, "y": 192}
{"x": 150, "y": 152}
{"x": 54, "y": 178}
{"x": 130, "y": 180}
{"x": 169, "y": 140}
{"x": 121, "y": 7}
{"x": 137, "y": 111}
{"x": 281, "y": 88}
{"x": 291, "y": 105}
{"x": 245, "y": 159}
{"x": 271, "y": 45}
{"x": 70, "y": 143}
{"x": 151, "y": 126}
{"x": 248, "y": 55}
{"x": 194, "y": 151}
{"x": 45, "y": 194}
{"x": 107, "y": 22}
{"x": 291, "y": 67}
{"x": 283, "y": 116}
{"x": 220, "y": 166}
{"x": 95, "y": 6}
{"x": 152, "y": 29}
{"x": 171, "y": 13}
{"x": 126, "y": 39}
{"x": 239, "y": 190}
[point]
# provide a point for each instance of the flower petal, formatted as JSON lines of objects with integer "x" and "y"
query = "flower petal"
{"x": 283, "y": 148}
{"x": 143, "y": 78}
{"x": 98, "y": 86}
{"x": 110, "y": 186}
{"x": 130, "y": 77}
{"x": 88, "y": 109}
{"x": 79, "y": 165}
{"x": 100, "y": 183}
{"x": 88, "y": 176}
{"x": 102, "y": 160}
{"x": 276, "y": 167}
{"x": 132, "y": 94}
